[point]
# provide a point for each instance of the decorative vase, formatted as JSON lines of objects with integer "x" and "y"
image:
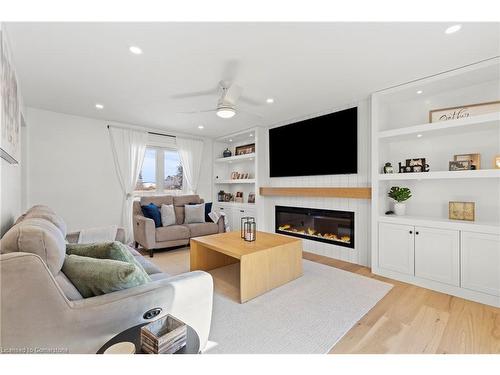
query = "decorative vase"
{"x": 400, "y": 208}
{"x": 227, "y": 153}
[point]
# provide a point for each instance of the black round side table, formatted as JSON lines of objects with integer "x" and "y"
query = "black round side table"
{"x": 134, "y": 335}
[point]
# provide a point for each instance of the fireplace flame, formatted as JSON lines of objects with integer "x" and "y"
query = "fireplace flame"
{"x": 313, "y": 233}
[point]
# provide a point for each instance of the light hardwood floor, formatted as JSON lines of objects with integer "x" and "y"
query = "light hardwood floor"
{"x": 409, "y": 319}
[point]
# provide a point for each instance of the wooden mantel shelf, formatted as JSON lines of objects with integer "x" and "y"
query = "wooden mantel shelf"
{"x": 332, "y": 192}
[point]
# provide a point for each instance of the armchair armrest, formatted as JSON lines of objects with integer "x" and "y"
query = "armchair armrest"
{"x": 144, "y": 231}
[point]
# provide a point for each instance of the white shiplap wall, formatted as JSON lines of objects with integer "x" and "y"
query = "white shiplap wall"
{"x": 361, "y": 207}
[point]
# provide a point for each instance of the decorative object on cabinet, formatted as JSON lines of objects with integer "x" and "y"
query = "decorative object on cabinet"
{"x": 246, "y": 149}
{"x": 251, "y": 198}
{"x": 414, "y": 165}
{"x": 221, "y": 196}
{"x": 475, "y": 159}
{"x": 388, "y": 168}
{"x": 226, "y": 153}
{"x": 462, "y": 211}
{"x": 250, "y": 229}
{"x": 244, "y": 219}
{"x": 400, "y": 195}
{"x": 463, "y": 165}
{"x": 239, "y": 197}
{"x": 496, "y": 162}
{"x": 165, "y": 335}
{"x": 228, "y": 197}
{"x": 464, "y": 111}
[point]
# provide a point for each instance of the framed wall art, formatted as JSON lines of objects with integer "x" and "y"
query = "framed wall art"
{"x": 464, "y": 111}
{"x": 462, "y": 211}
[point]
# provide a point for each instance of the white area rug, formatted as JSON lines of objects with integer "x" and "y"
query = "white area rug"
{"x": 308, "y": 315}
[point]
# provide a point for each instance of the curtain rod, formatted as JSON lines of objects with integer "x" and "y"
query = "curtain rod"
{"x": 154, "y": 133}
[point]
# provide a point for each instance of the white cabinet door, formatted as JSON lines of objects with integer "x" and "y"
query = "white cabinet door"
{"x": 480, "y": 258}
{"x": 437, "y": 255}
{"x": 396, "y": 248}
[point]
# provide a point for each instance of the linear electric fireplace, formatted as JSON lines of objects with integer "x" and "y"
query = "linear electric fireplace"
{"x": 335, "y": 227}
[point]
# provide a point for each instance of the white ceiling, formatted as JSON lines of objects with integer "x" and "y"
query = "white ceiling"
{"x": 306, "y": 67}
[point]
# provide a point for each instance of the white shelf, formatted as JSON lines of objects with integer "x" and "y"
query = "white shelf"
{"x": 471, "y": 226}
{"x": 441, "y": 175}
{"x": 237, "y": 158}
{"x": 480, "y": 122}
{"x": 240, "y": 181}
{"x": 234, "y": 204}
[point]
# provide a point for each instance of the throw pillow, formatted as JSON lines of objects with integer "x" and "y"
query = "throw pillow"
{"x": 167, "y": 215}
{"x": 105, "y": 250}
{"x": 93, "y": 277}
{"x": 151, "y": 211}
{"x": 208, "y": 209}
{"x": 194, "y": 213}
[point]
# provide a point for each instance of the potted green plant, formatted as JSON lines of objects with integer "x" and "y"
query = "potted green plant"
{"x": 400, "y": 195}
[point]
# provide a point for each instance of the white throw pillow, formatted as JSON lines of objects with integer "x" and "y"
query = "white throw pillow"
{"x": 167, "y": 215}
{"x": 194, "y": 213}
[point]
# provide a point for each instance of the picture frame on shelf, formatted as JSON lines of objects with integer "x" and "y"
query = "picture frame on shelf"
{"x": 245, "y": 149}
{"x": 239, "y": 197}
{"x": 496, "y": 162}
{"x": 462, "y": 165}
{"x": 462, "y": 211}
{"x": 463, "y": 111}
{"x": 475, "y": 159}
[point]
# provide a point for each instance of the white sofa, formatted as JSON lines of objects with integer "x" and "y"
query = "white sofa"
{"x": 41, "y": 311}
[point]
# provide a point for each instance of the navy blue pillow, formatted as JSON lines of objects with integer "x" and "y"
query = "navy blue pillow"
{"x": 151, "y": 211}
{"x": 208, "y": 209}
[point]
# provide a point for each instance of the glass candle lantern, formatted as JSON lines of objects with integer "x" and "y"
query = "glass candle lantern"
{"x": 250, "y": 229}
{"x": 244, "y": 219}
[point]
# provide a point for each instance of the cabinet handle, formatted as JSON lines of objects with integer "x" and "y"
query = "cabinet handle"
{"x": 242, "y": 210}
{"x": 416, "y": 232}
{"x": 411, "y": 232}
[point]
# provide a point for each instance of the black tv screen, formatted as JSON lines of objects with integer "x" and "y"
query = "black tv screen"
{"x": 321, "y": 145}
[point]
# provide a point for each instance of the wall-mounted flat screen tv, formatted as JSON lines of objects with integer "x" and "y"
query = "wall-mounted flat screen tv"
{"x": 321, "y": 145}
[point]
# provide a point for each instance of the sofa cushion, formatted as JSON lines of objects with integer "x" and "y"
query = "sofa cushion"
{"x": 171, "y": 233}
{"x": 104, "y": 250}
{"x": 157, "y": 200}
{"x": 194, "y": 213}
{"x": 167, "y": 215}
{"x": 182, "y": 200}
{"x": 208, "y": 209}
{"x": 93, "y": 277}
{"x": 37, "y": 236}
{"x": 151, "y": 211}
{"x": 202, "y": 229}
{"x": 67, "y": 287}
{"x": 45, "y": 212}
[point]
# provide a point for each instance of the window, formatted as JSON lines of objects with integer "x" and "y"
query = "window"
{"x": 161, "y": 171}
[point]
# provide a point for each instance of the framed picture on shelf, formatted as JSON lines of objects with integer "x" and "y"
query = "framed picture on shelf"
{"x": 464, "y": 111}
{"x": 463, "y": 165}
{"x": 496, "y": 162}
{"x": 246, "y": 149}
{"x": 475, "y": 159}
{"x": 239, "y": 197}
{"x": 251, "y": 198}
{"x": 462, "y": 211}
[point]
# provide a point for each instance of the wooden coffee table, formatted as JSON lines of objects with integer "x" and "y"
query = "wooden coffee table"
{"x": 266, "y": 263}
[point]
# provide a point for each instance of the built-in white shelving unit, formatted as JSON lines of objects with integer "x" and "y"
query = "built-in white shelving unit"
{"x": 425, "y": 247}
{"x": 250, "y": 164}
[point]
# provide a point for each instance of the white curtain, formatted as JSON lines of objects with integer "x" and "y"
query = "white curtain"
{"x": 128, "y": 148}
{"x": 190, "y": 151}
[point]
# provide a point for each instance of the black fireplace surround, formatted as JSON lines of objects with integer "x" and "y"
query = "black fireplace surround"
{"x": 333, "y": 227}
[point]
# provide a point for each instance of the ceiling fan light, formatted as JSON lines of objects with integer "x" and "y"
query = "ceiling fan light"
{"x": 225, "y": 112}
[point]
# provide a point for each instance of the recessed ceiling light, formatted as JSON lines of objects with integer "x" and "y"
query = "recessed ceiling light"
{"x": 201, "y": 127}
{"x": 419, "y": 92}
{"x": 251, "y": 135}
{"x": 99, "y": 106}
{"x": 230, "y": 140}
{"x": 419, "y": 135}
{"x": 269, "y": 100}
{"x": 452, "y": 29}
{"x": 135, "y": 50}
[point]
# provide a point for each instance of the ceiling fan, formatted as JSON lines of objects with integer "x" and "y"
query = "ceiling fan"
{"x": 230, "y": 94}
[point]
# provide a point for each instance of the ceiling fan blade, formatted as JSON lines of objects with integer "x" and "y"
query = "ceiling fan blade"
{"x": 195, "y": 94}
{"x": 232, "y": 94}
{"x": 251, "y": 101}
{"x": 195, "y": 112}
